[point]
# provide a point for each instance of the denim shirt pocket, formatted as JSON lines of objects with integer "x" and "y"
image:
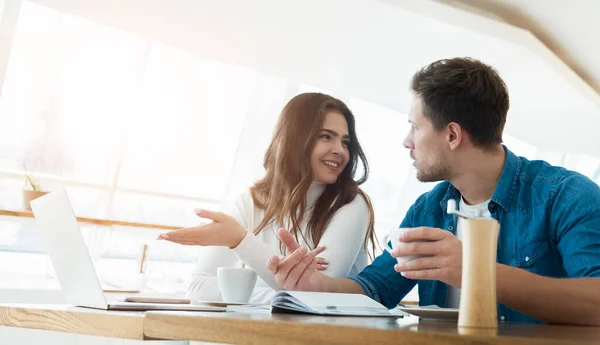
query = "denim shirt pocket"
{"x": 530, "y": 253}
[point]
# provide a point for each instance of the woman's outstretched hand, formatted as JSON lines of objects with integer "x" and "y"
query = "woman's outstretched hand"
{"x": 223, "y": 231}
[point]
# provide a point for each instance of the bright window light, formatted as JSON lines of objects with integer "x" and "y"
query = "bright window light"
{"x": 133, "y": 129}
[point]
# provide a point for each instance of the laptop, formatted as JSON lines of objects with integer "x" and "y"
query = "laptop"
{"x": 64, "y": 243}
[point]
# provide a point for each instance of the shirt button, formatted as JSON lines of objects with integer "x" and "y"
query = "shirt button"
{"x": 527, "y": 258}
{"x": 502, "y": 318}
{"x": 450, "y": 228}
{"x": 492, "y": 206}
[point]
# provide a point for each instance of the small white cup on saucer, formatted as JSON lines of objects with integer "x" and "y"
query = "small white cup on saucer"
{"x": 392, "y": 236}
{"x": 236, "y": 284}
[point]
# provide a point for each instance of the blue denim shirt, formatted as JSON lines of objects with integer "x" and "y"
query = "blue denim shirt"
{"x": 549, "y": 225}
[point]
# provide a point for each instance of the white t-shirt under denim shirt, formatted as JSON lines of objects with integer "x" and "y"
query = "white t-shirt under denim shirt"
{"x": 343, "y": 238}
{"x": 471, "y": 211}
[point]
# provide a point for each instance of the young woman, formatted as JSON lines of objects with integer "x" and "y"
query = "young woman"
{"x": 309, "y": 188}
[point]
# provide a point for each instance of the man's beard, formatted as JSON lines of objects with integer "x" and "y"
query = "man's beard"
{"x": 438, "y": 172}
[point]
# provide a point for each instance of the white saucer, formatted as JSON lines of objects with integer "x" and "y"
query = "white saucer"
{"x": 432, "y": 312}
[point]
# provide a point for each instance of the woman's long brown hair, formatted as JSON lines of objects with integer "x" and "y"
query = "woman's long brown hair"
{"x": 281, "y": 193}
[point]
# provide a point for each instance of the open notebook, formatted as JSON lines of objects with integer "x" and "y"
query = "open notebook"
{"x": 325, "y": 303}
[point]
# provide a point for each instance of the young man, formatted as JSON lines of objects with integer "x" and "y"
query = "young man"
{"x": 548, "y": 262}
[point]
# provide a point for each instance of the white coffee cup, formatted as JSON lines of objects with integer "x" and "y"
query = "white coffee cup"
{"x": 236, "y": 283}
{"x": 392, "y": 236}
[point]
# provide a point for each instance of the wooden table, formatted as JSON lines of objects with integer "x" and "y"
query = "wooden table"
{"x": 234, "y": 328}
{"x": 60, "y": 318}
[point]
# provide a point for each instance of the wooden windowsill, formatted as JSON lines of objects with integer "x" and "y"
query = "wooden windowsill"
{"x": 97, "y": 221}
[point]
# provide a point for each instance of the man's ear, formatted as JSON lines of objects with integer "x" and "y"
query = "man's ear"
{"x": 454, "y": 135}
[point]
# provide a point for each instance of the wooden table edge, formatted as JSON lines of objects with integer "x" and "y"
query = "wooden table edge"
{"x": 244, "y": 330}
{"x": 77, "y": 320}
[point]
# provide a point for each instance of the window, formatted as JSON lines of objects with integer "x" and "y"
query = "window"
{"x": 133, "y": 129}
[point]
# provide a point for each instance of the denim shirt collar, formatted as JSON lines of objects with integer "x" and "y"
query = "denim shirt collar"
{"x": 505, "y": 189}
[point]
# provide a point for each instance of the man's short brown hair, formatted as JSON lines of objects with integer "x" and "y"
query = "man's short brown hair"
{"x": 465, "y": 91}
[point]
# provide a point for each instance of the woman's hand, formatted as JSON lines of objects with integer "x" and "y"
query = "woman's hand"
{"x": 298, "y": 270}
{"x": 223, "y": 231}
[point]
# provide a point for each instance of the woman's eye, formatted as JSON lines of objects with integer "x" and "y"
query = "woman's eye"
{"x": 346, "y": 143}
{"x": 326, "y": 136}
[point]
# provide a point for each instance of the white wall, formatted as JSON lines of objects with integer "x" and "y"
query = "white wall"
{"x": 369, "y": 49}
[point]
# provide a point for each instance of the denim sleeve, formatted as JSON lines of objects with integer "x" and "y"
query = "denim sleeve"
{"x": 575, "y": 213}
{"x": 380, "y": 281}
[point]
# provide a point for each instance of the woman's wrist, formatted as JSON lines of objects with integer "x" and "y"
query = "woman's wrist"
{"x": 240, "y": 234}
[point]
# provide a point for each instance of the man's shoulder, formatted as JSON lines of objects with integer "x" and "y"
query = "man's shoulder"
{"x": 541, "y": 171}
{"x": 539, "y": 174}
{"x": 540, "y": 181}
